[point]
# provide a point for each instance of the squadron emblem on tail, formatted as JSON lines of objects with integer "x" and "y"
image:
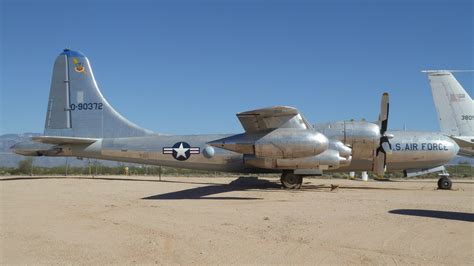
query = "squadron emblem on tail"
{"x": 78, "y": 66}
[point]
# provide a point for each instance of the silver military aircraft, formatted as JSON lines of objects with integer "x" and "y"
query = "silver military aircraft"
{"x": 455, "y": 109}
{"x": 81, "y": 123}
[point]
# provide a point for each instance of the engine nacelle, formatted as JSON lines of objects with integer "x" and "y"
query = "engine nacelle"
{"x": 291, "y": 144}
{"x": 345, "y": 152}
{"x": 329, "y": 159}
{"x": 280, "y": 143}
{"x": 363, "y": 137}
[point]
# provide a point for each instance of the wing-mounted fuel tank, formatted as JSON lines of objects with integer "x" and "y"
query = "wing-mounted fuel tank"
{"x": 363, "y": 137}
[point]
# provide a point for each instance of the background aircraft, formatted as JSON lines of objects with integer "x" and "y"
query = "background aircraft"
{"x": 455, "y": 109}
{"x": 81, "y": 123}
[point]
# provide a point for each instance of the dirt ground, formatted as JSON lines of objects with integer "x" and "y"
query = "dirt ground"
{"x": 233, "y": 220}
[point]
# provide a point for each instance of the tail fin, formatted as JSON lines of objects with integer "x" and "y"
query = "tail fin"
{"x": 76, "y": 106}
{"x": 454, "y": 106}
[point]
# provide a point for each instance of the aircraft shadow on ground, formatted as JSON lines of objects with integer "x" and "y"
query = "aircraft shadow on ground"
{"x": 458, "y": 216}
{"x": 247, "y": 183}
{"x": 240, "y": 184}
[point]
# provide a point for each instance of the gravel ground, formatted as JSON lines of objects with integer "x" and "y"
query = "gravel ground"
{"x": 233, "y": 220}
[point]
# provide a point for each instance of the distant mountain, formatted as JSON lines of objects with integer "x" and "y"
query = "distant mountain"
{"x": 9, "y": 159}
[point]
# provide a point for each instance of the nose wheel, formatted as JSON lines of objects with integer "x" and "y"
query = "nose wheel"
{"x": 291, "y": 181}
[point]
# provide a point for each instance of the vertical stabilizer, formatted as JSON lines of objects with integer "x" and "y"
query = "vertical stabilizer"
{"x": 453, "y": 104}
{"x": 76, "y": 106}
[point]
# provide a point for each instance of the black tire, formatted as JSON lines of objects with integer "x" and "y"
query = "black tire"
{"x": 444, "y": 183}
{"x": 291, "y": 181}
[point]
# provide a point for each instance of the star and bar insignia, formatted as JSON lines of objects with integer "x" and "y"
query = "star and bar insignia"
{"x": 181, "y": 151}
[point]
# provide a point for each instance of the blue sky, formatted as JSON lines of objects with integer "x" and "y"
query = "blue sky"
{"x": 186, "y": 67}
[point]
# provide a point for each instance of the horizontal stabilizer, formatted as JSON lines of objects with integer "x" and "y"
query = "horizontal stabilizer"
{"x": 63, "y": 140}
{"x": 272, "y": 118}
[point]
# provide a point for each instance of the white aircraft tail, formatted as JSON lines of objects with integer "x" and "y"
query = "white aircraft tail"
{"x": 453, "y": 104}
{"x": 76, "y": 107}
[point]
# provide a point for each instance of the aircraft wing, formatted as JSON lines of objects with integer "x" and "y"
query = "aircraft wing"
{"x": 272, "y": 118}
{"x": 63, "y": 140}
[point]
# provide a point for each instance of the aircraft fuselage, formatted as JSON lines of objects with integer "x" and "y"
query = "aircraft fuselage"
{"x": 409, "y": 150}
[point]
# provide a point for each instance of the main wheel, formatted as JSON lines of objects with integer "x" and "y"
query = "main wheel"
{"x": 444, "y": 183}
{"x": 291, "y": 181}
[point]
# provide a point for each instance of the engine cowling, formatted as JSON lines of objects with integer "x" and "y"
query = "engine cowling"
{"x": 277, "y": 144}
{"x": 329, "y": 159}
{"x": 335, "y": 156}
{"x": 362, "y": 136}
{"x": 291, "y": 144}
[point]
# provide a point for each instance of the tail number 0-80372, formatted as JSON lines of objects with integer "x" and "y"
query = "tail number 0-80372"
{"x": 86, "y": 106}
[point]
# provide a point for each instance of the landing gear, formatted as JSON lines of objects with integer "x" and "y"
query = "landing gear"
{"x": 290, "y": 180}
{"x": 444, "y": 183}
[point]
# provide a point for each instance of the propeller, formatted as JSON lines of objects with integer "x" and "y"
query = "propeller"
{"x": 384, "y": 148}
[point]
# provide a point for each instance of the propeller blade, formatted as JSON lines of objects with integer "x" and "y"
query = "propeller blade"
{"x": 384, "y": 110}
{"x": 387, "y": 148}
{"x": 379, "y": 164}
{"x": 380, "y": 158}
